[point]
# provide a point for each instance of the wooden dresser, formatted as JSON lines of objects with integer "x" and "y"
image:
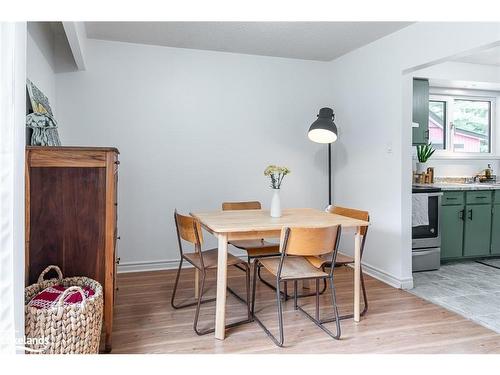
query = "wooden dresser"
{"x": 71, "y": 216}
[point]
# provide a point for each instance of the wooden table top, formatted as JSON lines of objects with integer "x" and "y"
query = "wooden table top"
{"x": 260, "y": 220}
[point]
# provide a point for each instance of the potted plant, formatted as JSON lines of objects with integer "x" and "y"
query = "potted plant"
{"x": 424, "y": 152}
{"x": 276, "y": 174}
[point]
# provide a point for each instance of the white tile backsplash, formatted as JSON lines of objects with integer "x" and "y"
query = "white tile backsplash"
{"x": 459, "y": 168}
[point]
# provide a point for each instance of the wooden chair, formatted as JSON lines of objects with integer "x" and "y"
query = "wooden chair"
{"x": 254, "y": 248}
{"x": 345, "y": 260}
{"x": 297, "y": 245}
{"x": 189, "y": 229}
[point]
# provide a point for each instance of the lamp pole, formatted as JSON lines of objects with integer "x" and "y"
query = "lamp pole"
{"x": 329, "y": 175}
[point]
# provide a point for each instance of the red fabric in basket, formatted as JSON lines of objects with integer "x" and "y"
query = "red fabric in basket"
{"x": 49, "y": 297}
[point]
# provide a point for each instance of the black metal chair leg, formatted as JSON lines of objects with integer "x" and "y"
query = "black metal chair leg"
{"x": 365, "y": 303}
{"x": 295, "y": 287}
{"x": 172, "y": 300}
{"x": 317, "y": 299}
{"x": 175, "y": 285}
{"x": 280, "y": 314}
{"x": 335, "y": 308}
{"x": 365, "y": 299}
{"x": 197, "y": 313}
{"x": 249, "y": 314}
{"x": 200, "y": 301}
{"x": 254, "y": 284}
{"x": 320, "y": 323}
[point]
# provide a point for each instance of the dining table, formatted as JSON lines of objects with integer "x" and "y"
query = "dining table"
{"x": 256, "y": 224}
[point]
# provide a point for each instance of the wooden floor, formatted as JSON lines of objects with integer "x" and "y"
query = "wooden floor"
{"x": 396, "y": 322}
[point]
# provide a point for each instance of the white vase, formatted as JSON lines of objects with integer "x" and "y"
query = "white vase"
{"x": 421, "y": 167}
{"x": 276, "y": 204}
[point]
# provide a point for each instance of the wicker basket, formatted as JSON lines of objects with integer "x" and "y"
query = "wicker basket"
{"x": 70, "y": 329}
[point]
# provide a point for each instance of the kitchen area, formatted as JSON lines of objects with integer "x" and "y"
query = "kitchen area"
{"x": 455, "y": 190}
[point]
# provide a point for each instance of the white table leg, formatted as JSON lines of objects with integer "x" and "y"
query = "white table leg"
{"x": 196, "y": 282}
{"x": 220, "y": 312}
{"x": 357, "y": 272}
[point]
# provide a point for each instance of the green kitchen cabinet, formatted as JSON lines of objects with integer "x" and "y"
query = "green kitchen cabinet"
{"x": 452, "y": 229}
{"x": 477, "y": 230}
{"x": 420, "y": 111}
{"x": 495, "y": 229}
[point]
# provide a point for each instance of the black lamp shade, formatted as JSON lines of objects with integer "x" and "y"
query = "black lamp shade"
{"x": 323, "y": 130}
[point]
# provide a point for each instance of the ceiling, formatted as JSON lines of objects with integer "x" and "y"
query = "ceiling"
{"x": 322, "y": 41}
{"x": 490, "y": 56}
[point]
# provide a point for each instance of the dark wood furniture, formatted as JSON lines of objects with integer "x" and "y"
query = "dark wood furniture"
{"x": 71, "y": 216}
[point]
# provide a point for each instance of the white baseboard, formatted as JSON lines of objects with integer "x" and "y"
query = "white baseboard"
{"x": 159, "y": 265}
{"x": 388, "y": 278}
{"x": 153, "y": 265}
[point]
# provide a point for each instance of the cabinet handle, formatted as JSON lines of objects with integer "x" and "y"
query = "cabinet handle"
{"x": 451, "y": 198}
{"x": 117, "y": 162}
{"x": 461, "y": 214}
{"x": 470, "y": 214}
{"x": 118, "y": 238}
{"x": 482, "y": 197}
{"x": 118, "y": 260}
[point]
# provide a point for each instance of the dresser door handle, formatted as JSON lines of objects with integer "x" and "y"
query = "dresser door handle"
{"x": 470, "y": 214}
{"x": 461, "y": 214}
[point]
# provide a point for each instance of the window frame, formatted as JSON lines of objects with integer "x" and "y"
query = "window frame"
{"x": 449, "y": 98}
{"x": 445, "y": 122}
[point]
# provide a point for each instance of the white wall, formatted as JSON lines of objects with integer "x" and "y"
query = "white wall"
{"x": 40, "y": 59}
{"x": 372, "y": 98}
{"x": 12, "y": 119}
{"x": 194, "y": 128}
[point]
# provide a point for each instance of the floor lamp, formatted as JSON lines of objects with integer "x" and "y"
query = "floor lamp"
{"x": 324, "y": 130}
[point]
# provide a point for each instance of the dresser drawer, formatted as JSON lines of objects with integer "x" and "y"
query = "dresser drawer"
{"x": 480, "y": 196}
{"x": 452, "y": 198}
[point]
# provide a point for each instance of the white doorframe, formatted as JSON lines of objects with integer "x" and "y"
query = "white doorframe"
{"x": 12, "y": 145}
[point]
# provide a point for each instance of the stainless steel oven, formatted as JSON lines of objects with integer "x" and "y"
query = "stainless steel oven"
{"x": 426, "y": 239}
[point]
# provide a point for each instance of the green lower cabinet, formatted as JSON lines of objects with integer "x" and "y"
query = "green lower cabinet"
{"x": 495, "y": 231}
{"x": 452, "y": 229}
{"x": 477, "y": 230}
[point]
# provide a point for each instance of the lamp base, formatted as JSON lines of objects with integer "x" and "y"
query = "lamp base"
{"x": 328, "y": 208}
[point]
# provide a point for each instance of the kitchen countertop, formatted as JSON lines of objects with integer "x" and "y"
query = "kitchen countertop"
{"x": 456, "y": 186}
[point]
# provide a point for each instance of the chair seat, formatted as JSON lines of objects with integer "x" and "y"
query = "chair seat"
{"x": 257, "y": 248}
{"x": 344, "y": 259}
{"x": 210, "y": 259}
{"x": 319, "y": 262}
{"x": 293, "y": 268}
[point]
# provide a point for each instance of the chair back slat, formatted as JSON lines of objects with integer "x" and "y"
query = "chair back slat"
{"x": 352, "y": 213}
{"x": 229, "y": 206}
{"x": 309, "y": 241}
{"x": 189, "y": 229}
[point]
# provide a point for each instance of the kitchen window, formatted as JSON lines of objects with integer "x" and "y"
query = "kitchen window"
{"x": 461, "y": 124}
